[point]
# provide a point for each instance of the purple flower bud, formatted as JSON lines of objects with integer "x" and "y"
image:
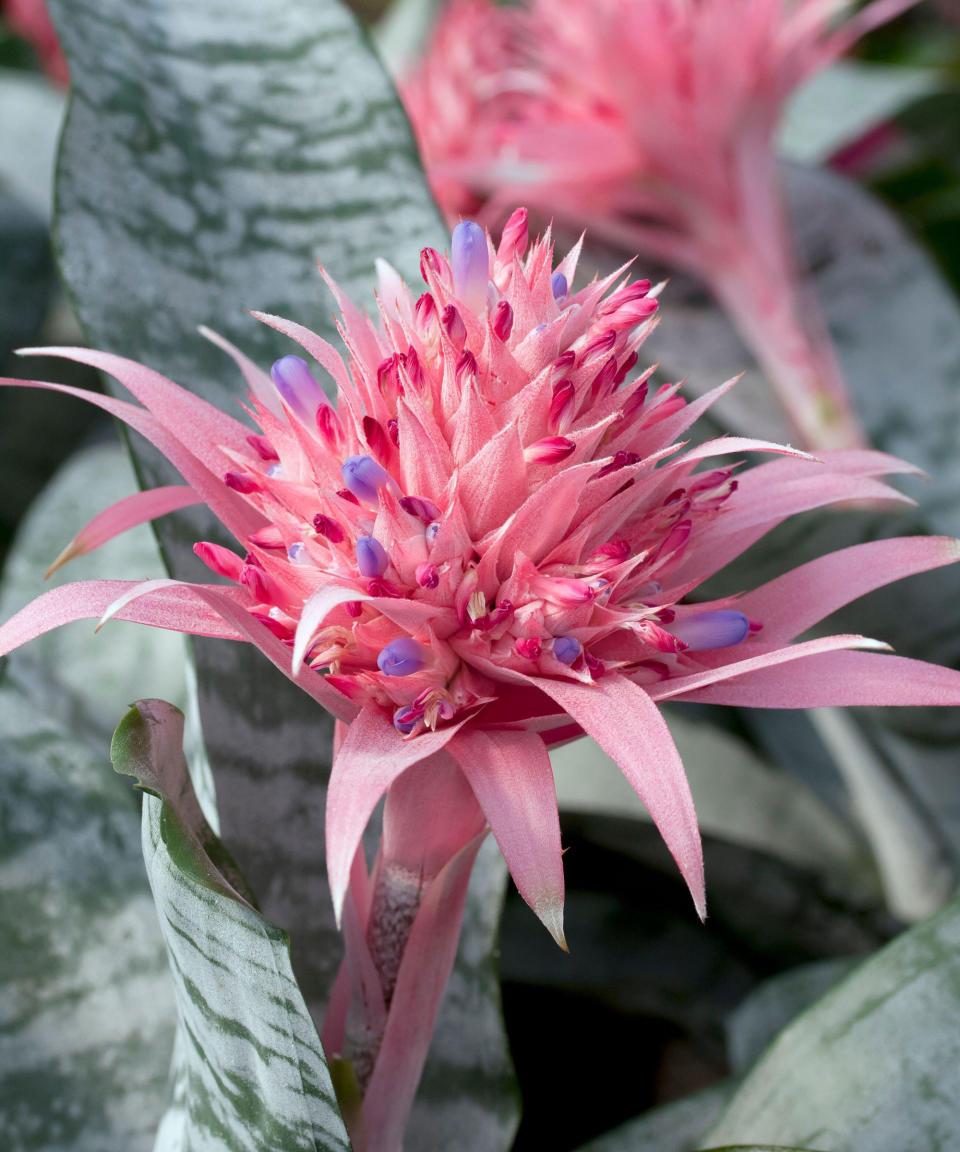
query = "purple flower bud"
{"x": 432, "y": 530}
{"x": 297, "y": 554}
{"x": 297, "y": 386}
{"x": 363, "y": 476}
{"x": 558, "y": 282}
{"x": 406, "y": 719}
{"x": 566, "y": 649}
{"x": 372, "y": 560}
{"x": 721, "y": 628}
{"x": 402, "y": 657}
{"x": 470, "y": 263}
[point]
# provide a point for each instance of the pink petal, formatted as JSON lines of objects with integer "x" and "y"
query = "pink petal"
{"x": 802, "y": 597}
{"x": 232, "y": 510}
{"x": 494, "y": 483}
{"x": 679, "y": 687}
{"x": 839, "y": 679}
{"x": 424, "y": 970}
{"x": 371, "y": 757}
{"x": 179, "y": 609}
{"x": 125, "y": 514}
{"x": 627, "y": 725}
{"x": 198, "y": 425}
{"x": 511, "y": 777}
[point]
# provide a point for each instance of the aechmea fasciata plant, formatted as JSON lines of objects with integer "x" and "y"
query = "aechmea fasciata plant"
{"x": 482, "y": 549}
{"x": 652, "y": 125}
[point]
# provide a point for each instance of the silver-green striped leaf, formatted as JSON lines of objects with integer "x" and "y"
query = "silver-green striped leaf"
{"x": 251, "y": 1073}
{"x": 872, "y": 1067}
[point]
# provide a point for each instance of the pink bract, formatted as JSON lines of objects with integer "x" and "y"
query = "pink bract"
{"x": 482, "y": 549}
{"x": 652, "y": 125}
{"x": 31, "y": 20}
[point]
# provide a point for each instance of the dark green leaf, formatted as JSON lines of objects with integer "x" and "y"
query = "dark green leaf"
{"x": 872, "y": 1067}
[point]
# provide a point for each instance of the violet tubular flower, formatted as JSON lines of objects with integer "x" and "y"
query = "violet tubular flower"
{"x": 464, "y": 604}
{"x": 652, "y": 125}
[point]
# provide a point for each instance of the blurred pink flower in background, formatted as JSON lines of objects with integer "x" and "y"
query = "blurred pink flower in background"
{"x": 651, "y": 124}
{"x": 31, "y": 20}
{"x": 484, "y": 549}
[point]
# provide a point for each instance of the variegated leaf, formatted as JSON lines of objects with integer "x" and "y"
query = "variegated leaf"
{"x": 252, "y": 1072}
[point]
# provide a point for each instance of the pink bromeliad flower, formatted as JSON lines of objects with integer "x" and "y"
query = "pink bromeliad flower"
{"x": 31, "y": 20}
{"x": 483, "y": 549}
{"x": 651, "y": 124}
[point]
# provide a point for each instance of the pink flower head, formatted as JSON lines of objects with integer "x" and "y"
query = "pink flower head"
{"x": 31, "y": 20}
{"x": 464, "y": 585}
{"x": 652, "y": 125}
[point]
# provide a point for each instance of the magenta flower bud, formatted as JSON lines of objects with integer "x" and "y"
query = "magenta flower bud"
{"x": 466, "y": 368}
{"x": 376, "y": 437}
{"x": 402, "y": 657}
{"x": 219, "y": 559}
{"x": 470, "y": 264}
{"x": 550, "y": 450}
{"x": 596, "y": 667}
{"x": 430, "y": 263}
{"x": 567, "y": 649}
{"x": 372, "y": 560}
{"x": 393, "y": 431}
{"x": 564, "y": 361}
{"x": 255, "y": 581}
{"x": 242, "y": 482}
{"x": 603, "y": 344}
{"x": 559, "y": 285}
{"x": 602, "y": 384}
{"x": 354, "y": 608}
{"x": 328, "y": 528}
{"x": 346, "y": 494}
{"x": 268, "y": 537}
{"x": 363, "y": 476}
{"x": 406, "y": 719}
{"x": 529, "y": 647}
{"x": 502, "y": 322}
{"x": 428, "y": 575}
{"x": 388, "y": 377}
{"x": 263, "y": 448}
{"x": 420, "y": 507}
{"x": 620, "y": 460}
{"x": 634, "y": 313}
{"x": 721, "y": 628}
{"x": 297, "y": 386}
{"x": 454, "y": 326}
{"x": 562, "y": 406}
{"x": 329, "y": 427}
{"x": 426, "y": 313}
{"x": 513, "y": 238}
{"x": 411, "y": 370}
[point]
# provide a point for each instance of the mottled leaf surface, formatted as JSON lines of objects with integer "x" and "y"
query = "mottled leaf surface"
{"x": 872, "y": 1067}
{"x": 253, "y": 1073}
{"x": 86, "y": 1002}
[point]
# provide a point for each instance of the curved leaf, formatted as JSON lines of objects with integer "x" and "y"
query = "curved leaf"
{"x": 251, "y": 1069}
{"x": 674, "y": 1127}
{"x": 872, "y": 1067}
